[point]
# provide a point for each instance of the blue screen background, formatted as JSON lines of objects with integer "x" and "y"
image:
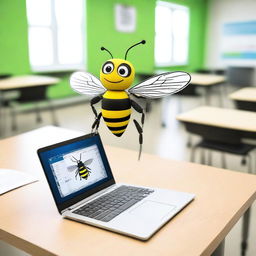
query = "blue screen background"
{"x": 54, "y": 155}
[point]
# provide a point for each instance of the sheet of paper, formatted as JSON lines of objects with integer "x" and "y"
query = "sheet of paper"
{"x": 11, "y": 179}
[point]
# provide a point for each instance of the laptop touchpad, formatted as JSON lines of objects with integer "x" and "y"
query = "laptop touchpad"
{"x": 152, "y": 210}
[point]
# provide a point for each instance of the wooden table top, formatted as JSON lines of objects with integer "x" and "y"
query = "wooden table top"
{"x": 29, "y": 218}
{"x": 244, "y": 94}
{"x": 16, "y": 82}
{"x": 221, "y": 117}
{"x": 206, "y": 79}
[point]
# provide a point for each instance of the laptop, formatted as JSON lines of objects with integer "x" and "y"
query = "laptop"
{"x": 84, "y": 190}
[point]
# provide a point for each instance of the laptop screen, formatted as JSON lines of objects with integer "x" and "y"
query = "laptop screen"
{"x": 76, "y": 169}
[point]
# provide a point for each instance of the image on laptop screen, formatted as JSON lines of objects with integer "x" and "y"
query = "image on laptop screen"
{"x": 75, "y": 167}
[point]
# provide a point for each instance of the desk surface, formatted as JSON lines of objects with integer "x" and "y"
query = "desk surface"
{"x": 16, "y": 82}
{"x": 244, "y": 94}
{"x": 29, "y": 218}
{"x": 221, "y": 117}
{"x": 206, "y": 79}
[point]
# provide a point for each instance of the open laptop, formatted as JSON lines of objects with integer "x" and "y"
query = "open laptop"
{"x": 84, "y": 190}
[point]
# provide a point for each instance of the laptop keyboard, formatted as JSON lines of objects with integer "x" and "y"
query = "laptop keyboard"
{"x": 107, "y": 207}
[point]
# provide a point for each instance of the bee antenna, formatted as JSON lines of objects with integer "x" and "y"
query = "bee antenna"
{"x": 141, "y": 42}
{"x": 104, "y": 49}
{"x": 74, "y": 158}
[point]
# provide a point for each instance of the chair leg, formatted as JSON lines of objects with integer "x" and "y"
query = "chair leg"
{"x": 249, "y": 163}
{"x": 189, "y": 142}
{"x": 14, "y": 125}
{"x": 209, "y": 157}
{"x": 202, "y": 156}
{"x": 38, "y": 115}
{"x": 52, "y": 110}
{"x": 223, "y": 161}
{"x": 193, "y": 152}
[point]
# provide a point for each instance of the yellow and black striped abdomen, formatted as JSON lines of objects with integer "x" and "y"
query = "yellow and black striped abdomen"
{"x": 83, "y": 172}
{"x": 116, "y": 111}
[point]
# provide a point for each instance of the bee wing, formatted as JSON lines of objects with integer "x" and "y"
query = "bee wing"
{"x": 161, "y": 85}
{"x": 86, "y": 83}
{"x": 71, "y": 168}
{"x": 87, "y": 162}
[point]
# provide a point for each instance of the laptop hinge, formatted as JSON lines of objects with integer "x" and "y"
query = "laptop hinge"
{"x": 72, "y": 207}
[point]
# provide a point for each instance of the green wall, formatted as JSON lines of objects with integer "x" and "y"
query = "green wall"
{"x": 101, "y": 31}
{"x": 13, "y": 37}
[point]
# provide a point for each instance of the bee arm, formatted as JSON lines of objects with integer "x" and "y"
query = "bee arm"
{"x": 96, "y": 123}
{"x": 139, "y": 109}
{"x": 94, "y": 101}
{"x": 140, "y": 131}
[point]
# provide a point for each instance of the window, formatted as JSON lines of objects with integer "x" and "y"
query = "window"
{"x": 171, "y": 34}
{"x": 56, "y": 34}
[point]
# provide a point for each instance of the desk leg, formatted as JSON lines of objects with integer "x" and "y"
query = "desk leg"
{"x": 52, "y": 110}
{"x": 164, "y": 110}
{"x": 207, "y": 96}
{"x": 245, "y": 231}
{"x": 221, "y": 96}
{"x": 220, "y": 249}
{"x": 148, "y": 105}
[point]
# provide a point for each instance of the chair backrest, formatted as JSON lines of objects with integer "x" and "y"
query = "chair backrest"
{"x": 3, "y": 76}
{"x": 220, "y": 72}
{"x": 204, "y": 71}
{"x": 240, "y": 76}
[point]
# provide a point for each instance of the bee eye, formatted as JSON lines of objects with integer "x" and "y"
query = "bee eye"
{"x": 108, "y": 67}
{"x": 124, "y": 70}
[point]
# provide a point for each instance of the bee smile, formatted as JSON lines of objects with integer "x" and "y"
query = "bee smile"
{"x": 113, "y": 81}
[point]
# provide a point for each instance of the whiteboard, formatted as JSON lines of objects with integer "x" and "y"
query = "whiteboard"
{"x": 239, "y": 43}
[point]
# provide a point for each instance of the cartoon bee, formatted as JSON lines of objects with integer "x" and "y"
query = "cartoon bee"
{"x": 116, "y": 76}
{"x": 81, "y": 167}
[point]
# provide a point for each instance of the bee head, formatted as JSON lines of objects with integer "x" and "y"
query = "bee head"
{"x": 117, "y": 74}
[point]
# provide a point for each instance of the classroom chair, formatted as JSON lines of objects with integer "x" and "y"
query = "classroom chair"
{"x": 240, "y": 76}
{"x": 240, "y": 149}
{"x": 32, "y": 95}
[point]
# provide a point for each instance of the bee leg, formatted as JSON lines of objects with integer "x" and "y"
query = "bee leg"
{"x": 94, "y": 101}
{"x": 77, "y": 173}
{"x": 140, "y": 131}
{"x": 139, "y": 109}
{"x": 96, "y": 123}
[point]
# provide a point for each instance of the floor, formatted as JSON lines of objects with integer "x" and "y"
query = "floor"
{"x": 168, "y": 142}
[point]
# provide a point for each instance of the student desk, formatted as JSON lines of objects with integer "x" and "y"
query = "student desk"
{"x": 206, "y": 81}
{"x": 30, "y": 221}
{"x": 245, "y": 98}
{"x": 222, "y": 125}
{"x": 31, "y": 88}
{"x": 225, "y": 125}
